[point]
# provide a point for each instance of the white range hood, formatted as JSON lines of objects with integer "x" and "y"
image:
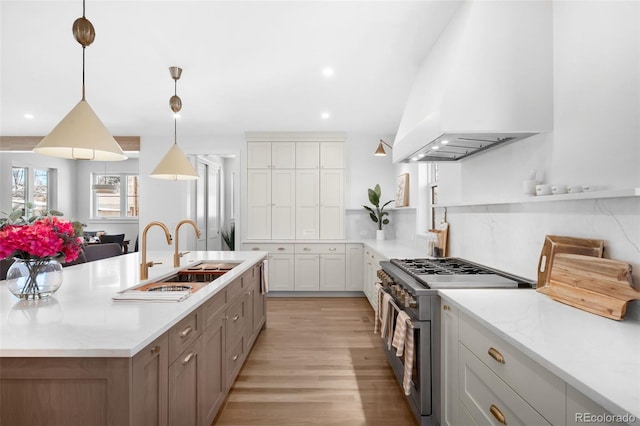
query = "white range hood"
{"x": 487, "y": 81}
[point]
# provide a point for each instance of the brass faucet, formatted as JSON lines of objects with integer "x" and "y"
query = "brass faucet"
{"x": 144, "y": 266}
{"x": 176, "y": 254}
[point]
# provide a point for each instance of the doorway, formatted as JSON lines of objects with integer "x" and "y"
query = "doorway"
{"x": 208, "y": 203}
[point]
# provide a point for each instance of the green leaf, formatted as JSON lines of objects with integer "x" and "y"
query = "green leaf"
{"x": 373, "y": 197}
{"x": 56, "y": 213}
{"x": 377, "y": 190}
{"x": 369, "y": 209}
{"x": 387, "y": 203}
{"x": 383, "y": 214}
{"x": 15, "y": 214}
{"x": 386, "y": 221}
{"x": 373, "y": 217}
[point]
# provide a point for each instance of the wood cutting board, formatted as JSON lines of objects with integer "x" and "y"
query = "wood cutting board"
{"x": 554, "y": 244}
{"x": 600, "y": 286}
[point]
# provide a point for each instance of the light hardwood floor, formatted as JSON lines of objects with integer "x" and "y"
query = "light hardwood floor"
{"x": 317, "y": 363}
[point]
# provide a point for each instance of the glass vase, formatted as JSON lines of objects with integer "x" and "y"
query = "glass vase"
{"x": 33, "y": 279}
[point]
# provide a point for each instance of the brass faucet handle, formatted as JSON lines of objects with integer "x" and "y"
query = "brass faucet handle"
{"x": 150, "y": 264}
{"x": 182, "y": 253}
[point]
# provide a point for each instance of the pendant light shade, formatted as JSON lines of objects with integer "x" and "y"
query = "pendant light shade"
{"x": 380, "y": 150}
{"x": 175, "y": 165}
{"x": 81, "y": 136}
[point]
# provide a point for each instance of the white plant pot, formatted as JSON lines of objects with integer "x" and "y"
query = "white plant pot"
{"x": 379, "y": 234}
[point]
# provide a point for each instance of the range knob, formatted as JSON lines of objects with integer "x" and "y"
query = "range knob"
{"x": 412, "y": 302}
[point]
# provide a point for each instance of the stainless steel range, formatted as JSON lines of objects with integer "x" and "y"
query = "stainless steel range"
{"x": 413, "y": 284}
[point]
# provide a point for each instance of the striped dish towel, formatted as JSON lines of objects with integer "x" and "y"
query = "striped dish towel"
{"x": 387, "y": 319}
{"x": 264, "y": 288}
{"x": 403, "y": 342}
{"x": 377, "y": 320}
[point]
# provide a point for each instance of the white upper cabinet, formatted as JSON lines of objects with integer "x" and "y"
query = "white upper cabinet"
{"x": 307, "y": 204}
{"x": 307, "y": 155}
{"x": 258, "y": 155}
{"x": 283, "y": 215}
{"x": 331, "y": 155}
{"x": 283, "y": 155}
{"x": 259, "y": 203}
{"x": 331, "y": 204}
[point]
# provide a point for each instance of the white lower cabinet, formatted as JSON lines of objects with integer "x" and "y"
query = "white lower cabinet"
{"x": 355, "y": 270}
{"x": 495, "y": 383}
{"x": 371, "y": 264}
{"x": 281, "y": 276}
{"x": 307, "y": 269}
{"x": 333, "y": 272}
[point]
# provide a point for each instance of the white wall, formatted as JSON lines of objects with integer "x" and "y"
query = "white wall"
{"x": 595, "y": 140}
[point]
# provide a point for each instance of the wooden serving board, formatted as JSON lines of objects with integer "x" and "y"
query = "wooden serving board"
{"x": 600, "y": 286}
{"x": 554, "y": 244}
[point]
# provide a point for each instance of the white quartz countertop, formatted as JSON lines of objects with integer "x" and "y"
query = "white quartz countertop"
{"x": 598, "y": 356}
{"x": 81, "y": 319}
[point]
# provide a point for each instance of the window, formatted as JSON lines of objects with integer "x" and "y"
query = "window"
{"x": 118, "y": 200}
{"x": 31, "y": 185}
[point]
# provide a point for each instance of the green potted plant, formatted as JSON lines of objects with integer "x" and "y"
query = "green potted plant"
{"x": 377, "y": 215}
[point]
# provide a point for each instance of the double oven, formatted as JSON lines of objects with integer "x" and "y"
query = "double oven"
{"x": 413, "y": 285}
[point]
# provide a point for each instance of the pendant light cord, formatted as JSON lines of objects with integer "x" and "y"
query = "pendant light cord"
{"x": 83, "y": 50}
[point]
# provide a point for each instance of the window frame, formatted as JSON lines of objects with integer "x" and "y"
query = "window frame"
{"x": 124, "y": 195}
{"x": 29, "y": 186}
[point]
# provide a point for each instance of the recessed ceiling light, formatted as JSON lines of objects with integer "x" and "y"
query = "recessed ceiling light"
{"x": 29, "y": 116}
{"x": 435, "y": 148}
{"x": 444, "y": 142}
{"x": 325, "y": 115}
{"x": 327, "y": 72}
{"x": 421, "y": 155}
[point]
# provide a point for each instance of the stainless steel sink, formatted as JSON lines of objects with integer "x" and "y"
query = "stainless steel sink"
{"x": 192, "y": 278}
{"x": 171, "y": 287}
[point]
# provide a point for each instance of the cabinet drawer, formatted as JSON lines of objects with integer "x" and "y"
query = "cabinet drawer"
{"x": 213, "y": 307}
{"x": 270, "y": 247}
{"x": 488, "y": 399}
{"x": 234, "y": 290}
{"x": 539, "y": 387}
{"x": 234, "y": 327}
{"x": 183, "y": 334}
{"x": 235, "y": 357}
{"x": 320, "y": 248}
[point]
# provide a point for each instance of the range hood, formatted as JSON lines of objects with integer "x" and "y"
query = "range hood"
{"x": 486, "y": 82}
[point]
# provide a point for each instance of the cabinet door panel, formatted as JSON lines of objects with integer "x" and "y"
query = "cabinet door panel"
{"x": 213, "y": 377}
{"x": 332, "y": 272}
{"x": 283, "y": 219}
{"x": 307, "y": 155}
{"x": 331, "y": 204}
{"x": 259, "y": 204}
{"x": 150, "y": 384}
{"x": 331, "y": 155}
{"x": 281, "y": 273}
{"x": 184, "y": 387}
{"x": 283, "y": 155}
{"x": 307, "y": 272}
{"x": 355, "y": 269}
{"x": 307, "y": 204}
{"x": 258, "y": 155}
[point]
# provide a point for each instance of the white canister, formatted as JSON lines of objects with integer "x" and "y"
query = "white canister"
{"x": 558, "y": 189}
{"x": 543, "y": 189}
{"x": 529, "y": 186}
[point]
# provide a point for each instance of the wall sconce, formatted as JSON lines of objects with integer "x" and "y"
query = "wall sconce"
{"x": 81, "y": 135}
{"x": 380, "y": 150}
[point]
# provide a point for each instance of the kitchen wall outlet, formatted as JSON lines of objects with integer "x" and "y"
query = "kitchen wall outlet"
{"x": 363, "y": 233}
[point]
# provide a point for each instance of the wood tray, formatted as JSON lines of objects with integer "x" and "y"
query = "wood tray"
{"x": 600, "y": 286}
{"x": 554, "y": 244}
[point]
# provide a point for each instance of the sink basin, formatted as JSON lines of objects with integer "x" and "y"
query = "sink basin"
{"x": 192, "y": 278}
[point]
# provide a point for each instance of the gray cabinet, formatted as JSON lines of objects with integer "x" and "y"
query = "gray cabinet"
{"x": 149, "y": 388}
{"x": 213, "y": 358}
{"x": 185, "y": 387}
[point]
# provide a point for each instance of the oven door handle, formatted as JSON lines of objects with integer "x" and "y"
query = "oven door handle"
{"x": 414, "y": 324}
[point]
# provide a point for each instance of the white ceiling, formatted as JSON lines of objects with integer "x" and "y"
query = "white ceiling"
{"x": 248, "y": 65}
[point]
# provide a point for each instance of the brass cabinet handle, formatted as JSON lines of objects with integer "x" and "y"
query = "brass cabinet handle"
{"x": 446, "y": 307}
{"x": 187, "y": 358}
{"x": 498, "y": 414}
{"x": 332, "y": 249}
{"x": 495, "y": 354}
{"x": 281, "y": 249}
{"x": 235, "y": 358}
{"x": 306, "y": 249}
{"x": 155, "y": 350}
{"x": 184, "y": 333}
{"x": 236, "y": 318}
{"x": 255, "y": 248}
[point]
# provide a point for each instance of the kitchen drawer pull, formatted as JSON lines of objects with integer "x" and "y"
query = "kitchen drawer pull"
{"x": 495, "y": 354}
{"x": 255, "y": 248}
{"x": 498, "y": 414}
{"x": 236, "y": 318}
{"x": 306, "y": 249}
{"x": 184, "y": 333}
{"x": 236, "y": 356}
{"x": 187, "y": 358}
{"x": 155, "y": 350}
{"x": 446, "y": 307}
{"x": 332, "y": 249}
{"x": 281, "y": 249}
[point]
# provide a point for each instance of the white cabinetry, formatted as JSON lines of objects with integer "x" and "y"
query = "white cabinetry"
{"x": 371, "y": 265}
{"x": 486, "y": 380}
{"x": 307, "y": 272}
{"x": 281, "y": 266}
{"x": 295, "y": 190}
{"x": 320, "y": 267}
{"x": 355, "y": 269}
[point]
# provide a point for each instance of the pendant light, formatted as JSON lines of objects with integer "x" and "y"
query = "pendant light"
{"x": 175, "y": 165}
{"x": 81, "y": 135}
{"x": 380, "y": 150}
{"x": 105, "y": 188}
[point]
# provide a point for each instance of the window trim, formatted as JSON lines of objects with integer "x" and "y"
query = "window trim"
{"x": 30, "y": 179}
{"x": 124, "y": 194}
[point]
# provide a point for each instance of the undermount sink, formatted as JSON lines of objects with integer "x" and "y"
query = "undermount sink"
{"x": 192, "y": 278}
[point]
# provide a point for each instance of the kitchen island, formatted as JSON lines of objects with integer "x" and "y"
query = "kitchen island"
{"x": 82, "y": 358}
{"x": 581, "y": 364}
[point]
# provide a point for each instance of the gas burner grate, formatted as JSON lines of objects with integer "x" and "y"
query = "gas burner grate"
{"x": 444, "y": 266}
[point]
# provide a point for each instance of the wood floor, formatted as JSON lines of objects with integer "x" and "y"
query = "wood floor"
{"x": 317, "y": 363}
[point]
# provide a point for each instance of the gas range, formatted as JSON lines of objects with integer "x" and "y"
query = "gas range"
{"x": 453, "y": 272}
